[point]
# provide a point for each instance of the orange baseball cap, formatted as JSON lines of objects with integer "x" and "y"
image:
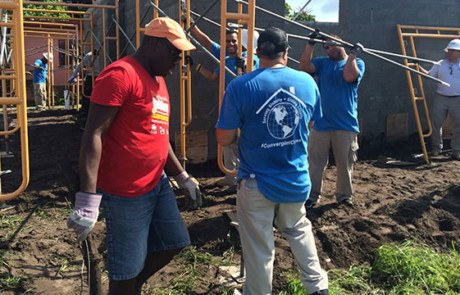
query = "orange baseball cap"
{"x": 164, "y": 27}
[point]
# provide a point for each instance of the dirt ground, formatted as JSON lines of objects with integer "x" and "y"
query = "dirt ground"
{"x": 392, "y": 203}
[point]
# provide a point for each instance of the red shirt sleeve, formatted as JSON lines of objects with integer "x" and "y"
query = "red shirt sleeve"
{"x": 111, "y": 88}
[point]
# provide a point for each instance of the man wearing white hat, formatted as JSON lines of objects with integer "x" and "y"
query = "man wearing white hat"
{"x": 39, "y": 80}
{"x": 447, "y": 99}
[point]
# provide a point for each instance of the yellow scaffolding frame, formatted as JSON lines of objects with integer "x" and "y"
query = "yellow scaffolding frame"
{"x": 82, "y": 20}
{"x": 408, "y": 34}
{"x": 185, "y": 80}
{"x": 44, "y": 32}
{"x": 186, "y": 115}
{"x": 247, "y": 19}
{"x": 16, "y": 76}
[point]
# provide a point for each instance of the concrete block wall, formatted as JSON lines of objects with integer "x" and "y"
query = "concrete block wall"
{"x": 384, "y": 89}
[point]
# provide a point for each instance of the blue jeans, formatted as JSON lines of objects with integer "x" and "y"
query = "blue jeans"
{"x": 137, "y": 226}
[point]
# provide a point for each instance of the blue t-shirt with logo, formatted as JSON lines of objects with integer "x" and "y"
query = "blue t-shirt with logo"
{"x": 40, "y": 74}
{"x": 230, "y": 62}
{"x": 339, "y": 99}
{"x": 273, "y": 107}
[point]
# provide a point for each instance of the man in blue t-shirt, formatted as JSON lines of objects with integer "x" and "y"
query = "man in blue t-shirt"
{"x": 339, "y": 75}
{"x": 272, "y": 106}
{"x": 233, "y": 62}
{"x": 39, "y": 80}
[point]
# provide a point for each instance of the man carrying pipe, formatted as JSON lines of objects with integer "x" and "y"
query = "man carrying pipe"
{"x": 447, "y": 99}
{"x": 233, "y": 62}
{"x": 339, "y": 75}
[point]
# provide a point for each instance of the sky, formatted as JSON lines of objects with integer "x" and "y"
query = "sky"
{"x": 324, "y": 10}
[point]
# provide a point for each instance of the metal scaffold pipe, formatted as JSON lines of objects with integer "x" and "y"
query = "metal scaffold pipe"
{"x": 343, "y": 43}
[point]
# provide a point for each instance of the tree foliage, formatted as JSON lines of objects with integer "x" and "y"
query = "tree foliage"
{"x": 38, "y": 6}
{"x": 304, "y": 15}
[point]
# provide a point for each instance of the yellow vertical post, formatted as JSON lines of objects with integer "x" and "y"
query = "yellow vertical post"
{"x": 242, "y": 18}
{"x": 18, "y": 61}
{"x": 182, "y": 95}
{"x": 104, "y": 39}
{"x": 155, "y": 11}
{"x": 117, "y": 30}
{"x": 185, "y": 85}
{"x": 223, "y": 26}
{"x": 138, "y": 24}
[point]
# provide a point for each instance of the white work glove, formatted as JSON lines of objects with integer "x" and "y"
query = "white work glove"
{"x": 72, "y": 81}
{"x": 84, "y": 215}
{"x": 191, "y": 186}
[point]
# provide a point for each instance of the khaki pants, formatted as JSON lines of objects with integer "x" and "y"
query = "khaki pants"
{"x": 40, "y": 95}
{"x": 344, "y": 145}
{"x": 256, "y": 215}
{"x": 441, "y": 106}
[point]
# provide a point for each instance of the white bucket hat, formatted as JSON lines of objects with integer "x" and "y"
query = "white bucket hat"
{"x": 454, "y": 44}
{"x": 50, "y": 57}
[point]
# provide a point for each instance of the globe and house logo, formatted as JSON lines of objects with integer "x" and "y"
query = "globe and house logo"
{"x": 282, "y": 114}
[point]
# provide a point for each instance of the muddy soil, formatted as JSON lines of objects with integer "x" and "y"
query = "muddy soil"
{"x": 393, "y": 202}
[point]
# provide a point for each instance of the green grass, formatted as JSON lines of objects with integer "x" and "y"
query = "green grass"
{"x": 8, "y": 224}
{"x": 399, "y": 269}
{"x": 195, "y": 266}
{"x": 10, "y": 283}
{"x": 43, "y": 214}
{"x": 417, "y": 268}
{"x": 187, "y": 280}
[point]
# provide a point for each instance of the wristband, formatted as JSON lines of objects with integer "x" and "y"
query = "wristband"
{"x": 181, "y": 177}
{"x": 198, "y": 68}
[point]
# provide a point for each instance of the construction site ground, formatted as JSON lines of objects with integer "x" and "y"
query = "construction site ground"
{"x": 394, "y": 201}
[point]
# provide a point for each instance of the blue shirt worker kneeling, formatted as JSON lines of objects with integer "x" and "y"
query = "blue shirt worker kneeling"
{"x": 272, "y": 106}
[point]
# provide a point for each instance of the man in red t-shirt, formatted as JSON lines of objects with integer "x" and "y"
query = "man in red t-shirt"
{"x": 124, "y": 154}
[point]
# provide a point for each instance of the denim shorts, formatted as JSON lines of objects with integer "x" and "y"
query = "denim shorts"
{"x": 140, "y": 225}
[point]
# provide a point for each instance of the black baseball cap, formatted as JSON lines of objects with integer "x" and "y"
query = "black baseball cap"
{"x": 272, "y": 41}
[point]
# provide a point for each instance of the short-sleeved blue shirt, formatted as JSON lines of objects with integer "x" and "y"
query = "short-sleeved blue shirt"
{"x": 230, "y": 62}
{"x": 339, "y": 99}
{"x": 40, "y": 74}
{"x": 272, "y": 107}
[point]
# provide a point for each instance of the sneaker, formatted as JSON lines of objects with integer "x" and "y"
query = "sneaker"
{"x": 312, "y": 201}
{"x": 345, "y": 200}
{"x": 226, "y": 181}
{"x": 456, "y": 155}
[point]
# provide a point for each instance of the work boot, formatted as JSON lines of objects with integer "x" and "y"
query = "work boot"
{"x": 312, "y": 200}
{"x": 344, "y": 200}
